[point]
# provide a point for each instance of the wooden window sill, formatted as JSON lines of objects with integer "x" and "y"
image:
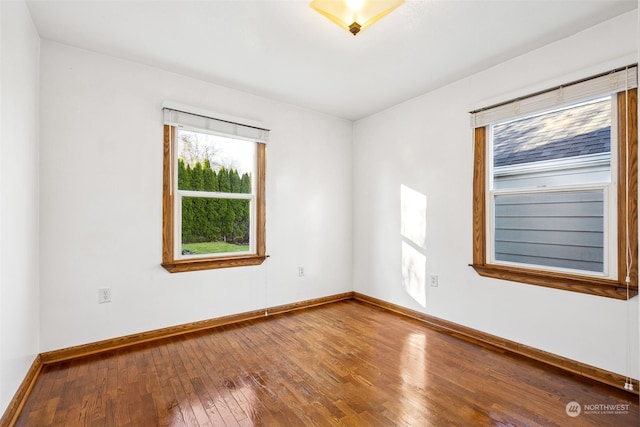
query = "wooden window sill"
{"x": 213, "y": 263}
{"x": 586, "y": 285}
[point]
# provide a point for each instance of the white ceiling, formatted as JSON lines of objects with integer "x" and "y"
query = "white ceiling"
{"x": 284, "y": 50}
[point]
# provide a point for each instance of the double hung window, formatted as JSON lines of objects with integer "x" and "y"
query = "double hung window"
{"x": 214, "y": 210}
{"x": 555, "y": 187}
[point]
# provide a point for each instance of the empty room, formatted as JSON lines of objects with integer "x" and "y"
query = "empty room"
{"x": 319, "y": 213}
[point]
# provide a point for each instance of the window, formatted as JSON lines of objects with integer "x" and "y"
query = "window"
{"x": 555, "y": 188}
{"x": 213, "y": 192}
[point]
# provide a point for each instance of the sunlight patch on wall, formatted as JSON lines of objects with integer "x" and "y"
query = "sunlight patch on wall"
{"x": 414, "y": 273}
{"x": 413, "y": 231}
{"x": 413, "y": 216}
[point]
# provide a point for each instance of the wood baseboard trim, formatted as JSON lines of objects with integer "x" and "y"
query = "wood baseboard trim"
{"x": 485, "y": 339}
{"x": 16, "y": 404}
{"x": 158, "y": 334}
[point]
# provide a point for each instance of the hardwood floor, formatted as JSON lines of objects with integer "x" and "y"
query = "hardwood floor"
{"x": 341, "y": 364}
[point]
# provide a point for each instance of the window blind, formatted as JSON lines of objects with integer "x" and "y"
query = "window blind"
{"x": 192, "y": 117}
{"x": 583, "y": 90}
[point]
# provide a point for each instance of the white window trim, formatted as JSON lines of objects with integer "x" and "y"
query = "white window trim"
{"x": 179, "y": 194}
{"x": 610, "y": 199}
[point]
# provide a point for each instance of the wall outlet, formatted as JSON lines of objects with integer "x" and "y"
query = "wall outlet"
{"x": 104, "y": 295}
{"x": 300, "y": 271}
{"x": 433, "y": 280}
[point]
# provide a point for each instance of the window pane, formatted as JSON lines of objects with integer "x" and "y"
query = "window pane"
{"x": 556, "y": 229}
{"x": 213, "y": 163}
{"x": 562, "y": 147}
{"x": 211, "y": 226}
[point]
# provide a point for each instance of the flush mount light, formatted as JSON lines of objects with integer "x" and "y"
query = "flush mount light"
{"x": 355, "y": 15}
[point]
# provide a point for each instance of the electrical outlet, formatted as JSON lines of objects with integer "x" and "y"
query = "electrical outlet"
{"x": 104, "y": 295}
{"x": 300, "y": 271}
{"x": 434, "y": 280}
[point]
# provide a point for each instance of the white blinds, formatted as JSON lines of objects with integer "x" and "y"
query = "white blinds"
{"x": 602, "y": 85}
{"x": 191, "y": 117}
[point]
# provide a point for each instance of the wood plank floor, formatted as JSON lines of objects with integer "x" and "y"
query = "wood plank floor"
{"x": 341, "y": 364}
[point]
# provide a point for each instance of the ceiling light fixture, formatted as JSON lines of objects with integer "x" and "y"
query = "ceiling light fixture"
{"x": 355, "y": 15}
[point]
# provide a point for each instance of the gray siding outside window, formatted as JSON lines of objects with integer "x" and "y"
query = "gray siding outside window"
{"x": 562, "y": 229}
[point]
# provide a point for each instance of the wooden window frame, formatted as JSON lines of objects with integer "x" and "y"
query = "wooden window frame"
{"x": 182, "y": 265}
{"x": 627, "y": 217}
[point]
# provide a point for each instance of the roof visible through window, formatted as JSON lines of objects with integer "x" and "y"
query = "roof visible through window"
{"x": 575, "y": 131}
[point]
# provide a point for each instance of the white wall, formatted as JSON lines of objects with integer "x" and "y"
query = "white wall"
{"x": 425, "y": 144}
{"x": 19, "y": 47}
{"x": 101, "y": 202}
